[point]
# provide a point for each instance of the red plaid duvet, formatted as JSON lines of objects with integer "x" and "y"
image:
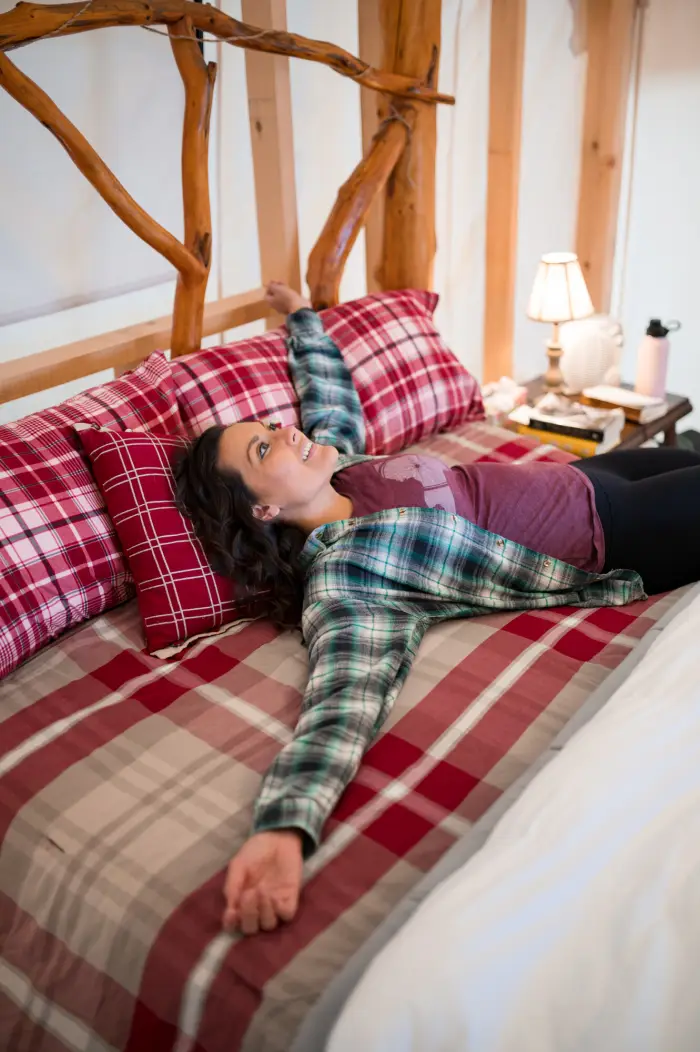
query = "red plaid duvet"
{"x": 126, "y": 784}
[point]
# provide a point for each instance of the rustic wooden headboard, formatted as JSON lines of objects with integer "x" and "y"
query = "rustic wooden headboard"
{"x": 406, "y": 135}
{"x": 391, "y": 191}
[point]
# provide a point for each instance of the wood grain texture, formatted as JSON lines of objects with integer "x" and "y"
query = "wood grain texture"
{"x": 372, "y": 32}
{"x": 408, "y": 247}
{"x": 505, "y": 112}
{"x": 272, "y": 139}
{"x": 610, "y": 41}
{"x": 28, "y": 21}
{"x": 329, "y": 254}
{"x": 38, "y": 103}
{"x": 198, "y": 79}
{"x": 120, "y": 350}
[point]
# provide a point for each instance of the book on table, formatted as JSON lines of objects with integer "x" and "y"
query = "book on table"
{"x": 638, "y": 408}
{"x": 580, "y": 447}
{"x": 558, "y": 415}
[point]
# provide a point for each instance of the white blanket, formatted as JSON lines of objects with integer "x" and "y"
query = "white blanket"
{"x": 576, "y": 928}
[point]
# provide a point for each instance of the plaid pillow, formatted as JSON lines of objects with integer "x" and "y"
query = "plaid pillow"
{"x": 409, "y": 382}
{"x": 179, "y": 594}
{"x": 60, "y": 560}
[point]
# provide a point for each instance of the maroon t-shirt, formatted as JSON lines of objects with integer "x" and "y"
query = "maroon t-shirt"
{"x": 547, "y": 507}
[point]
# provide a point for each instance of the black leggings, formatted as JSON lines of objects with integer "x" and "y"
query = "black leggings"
{"x": 648, "y": 501}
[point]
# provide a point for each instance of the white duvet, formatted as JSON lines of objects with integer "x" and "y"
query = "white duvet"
{"x": 576, "y": 928}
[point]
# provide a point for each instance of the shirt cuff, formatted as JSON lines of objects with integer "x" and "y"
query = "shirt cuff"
{"x": 299, "y": 813}
{"x": 304, "y": 320}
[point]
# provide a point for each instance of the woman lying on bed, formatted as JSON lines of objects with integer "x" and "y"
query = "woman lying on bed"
{"x": 365, "y": 553}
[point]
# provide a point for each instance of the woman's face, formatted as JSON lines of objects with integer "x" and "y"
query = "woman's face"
{"x": 275, "y": 468}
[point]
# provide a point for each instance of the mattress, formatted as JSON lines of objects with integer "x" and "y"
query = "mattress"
{"x": 318, "y": 1025}
{"x": 576, "y": 927}
{"x": 127, "y": 784}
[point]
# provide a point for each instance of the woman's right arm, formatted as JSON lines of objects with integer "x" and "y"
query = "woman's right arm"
{"x": 360, "y": 653}
{"x": 331, "y": 413}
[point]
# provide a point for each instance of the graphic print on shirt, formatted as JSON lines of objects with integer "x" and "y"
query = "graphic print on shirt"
{"x": 431, "y": 473}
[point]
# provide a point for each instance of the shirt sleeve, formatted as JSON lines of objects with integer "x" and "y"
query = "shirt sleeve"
{"x": 331, "y": 413}
{"x": 360, "y": 654}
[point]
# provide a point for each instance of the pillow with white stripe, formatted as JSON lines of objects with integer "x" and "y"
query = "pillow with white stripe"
{"x": 409, "y": 382}
{"x": 179, "y": 595}
{"x": 60, "y": 559}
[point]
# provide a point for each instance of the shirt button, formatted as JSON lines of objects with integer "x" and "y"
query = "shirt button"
{"x": 547, "y": 562}
{"x": 402, "y": 511}
{"x": 501, "y": 543}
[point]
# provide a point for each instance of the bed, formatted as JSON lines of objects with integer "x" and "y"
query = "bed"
{"x": 126, "y": 780}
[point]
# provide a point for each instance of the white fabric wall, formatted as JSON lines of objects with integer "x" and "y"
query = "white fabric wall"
{"x": 327, "y": 146}
{"x": 659, "y": 231}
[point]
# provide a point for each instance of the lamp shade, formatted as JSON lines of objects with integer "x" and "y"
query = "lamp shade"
{"x": 559, "y": 292}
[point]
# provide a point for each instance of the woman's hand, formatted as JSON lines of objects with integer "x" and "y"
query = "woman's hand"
{"x": 283, "y": 299}
{"x": 263, "y": 882}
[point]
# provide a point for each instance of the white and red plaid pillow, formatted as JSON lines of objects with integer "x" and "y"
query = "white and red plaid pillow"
{"x": 60, "y": 559}
{"x": 410, "y": 384}
{"x": 179, "y": 594}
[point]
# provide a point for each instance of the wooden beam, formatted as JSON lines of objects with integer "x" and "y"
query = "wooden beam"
{"x": 329, "y": 254}
{"x": 505, "y": 111}
{"x": 610, "y": 41}
{"x": 198, "y": 79}
{"x": 270, "y": 109}
{"x": 119, "y": 350}
{"x": 373, "y": 109}
{"x": 408, "y": 249}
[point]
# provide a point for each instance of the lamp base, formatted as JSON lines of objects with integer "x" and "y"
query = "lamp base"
{"x": 554, "y": 378}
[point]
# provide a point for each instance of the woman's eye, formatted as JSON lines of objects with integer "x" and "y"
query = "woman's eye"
{"x": 260, "y": 449}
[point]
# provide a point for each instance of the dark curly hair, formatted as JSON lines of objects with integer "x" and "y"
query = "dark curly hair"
{"x": 262, "y": 557}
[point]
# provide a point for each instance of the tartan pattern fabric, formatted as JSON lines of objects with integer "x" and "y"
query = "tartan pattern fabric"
{"x": 127, "y": 784}
{"x": 409, "y": 383}
{"x": 373, "y": 585}
{"x": 60, "y": 560}
{"x": 179, "y": 595}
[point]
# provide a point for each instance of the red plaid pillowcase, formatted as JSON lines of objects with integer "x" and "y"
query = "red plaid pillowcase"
{"x": 409, "y": 382}
{"x": 60, "y": 560}
{"x": 179, "y": 594}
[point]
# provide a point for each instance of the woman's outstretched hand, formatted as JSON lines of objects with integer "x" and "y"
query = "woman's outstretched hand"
{"x": 283, "y": 299}
{"x": 264, "y": 882}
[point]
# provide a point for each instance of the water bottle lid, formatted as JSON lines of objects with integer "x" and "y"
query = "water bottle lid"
{"x": 656, "y": 328}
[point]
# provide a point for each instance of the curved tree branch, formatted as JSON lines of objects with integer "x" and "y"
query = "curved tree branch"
{"x": 27, "y": 22}
{"x": 198, "y": 79}
{"x": 30, "y": 95}
{"x": 329, "y": 254}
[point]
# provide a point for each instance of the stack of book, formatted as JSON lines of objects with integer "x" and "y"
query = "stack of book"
{"x": 580, "y": 429}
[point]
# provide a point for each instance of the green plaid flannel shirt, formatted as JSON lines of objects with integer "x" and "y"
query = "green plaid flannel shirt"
{"x": 374, "y": 584}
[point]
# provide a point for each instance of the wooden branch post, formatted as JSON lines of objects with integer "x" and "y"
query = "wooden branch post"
{"x": 373, "y": 32}
{"x": 610, "y": 41}
{"x": 272, "y": 138}
{"x": 329, "y": 254}
{"x": 505, "y": 110}
{"x": 413, "y": 49}
{"x": 198, "y": 78}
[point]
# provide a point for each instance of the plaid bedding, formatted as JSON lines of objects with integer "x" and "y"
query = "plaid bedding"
{"x": 127, "y": 783}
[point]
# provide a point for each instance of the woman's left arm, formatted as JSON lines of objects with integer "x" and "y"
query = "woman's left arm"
{"x": 331, "y": 413}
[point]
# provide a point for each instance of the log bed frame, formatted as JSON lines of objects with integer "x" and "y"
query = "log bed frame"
{"x": 391, "y": 191}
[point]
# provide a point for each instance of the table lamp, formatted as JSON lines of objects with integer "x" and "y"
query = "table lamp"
{"x": 559, "y": 294}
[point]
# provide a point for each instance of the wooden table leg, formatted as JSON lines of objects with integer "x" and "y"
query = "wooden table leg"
{"x": 670, "y": 436}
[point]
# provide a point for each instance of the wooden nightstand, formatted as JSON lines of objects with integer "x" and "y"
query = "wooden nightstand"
{"x": 634, "y": 435}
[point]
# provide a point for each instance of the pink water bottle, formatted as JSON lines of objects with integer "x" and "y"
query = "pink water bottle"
{"x": 652, "y": 360}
